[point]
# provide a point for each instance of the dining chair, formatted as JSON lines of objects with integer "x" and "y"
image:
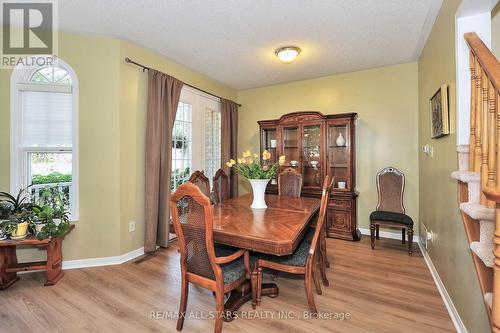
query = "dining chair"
{"x": 193, "y": 224}
{"x": 390, "y": 208}
{"x": 199, "y": 179}
{"x": 289, "y": 183}
{"x": 220, "y": 186}
{"x": 302, "y": 261}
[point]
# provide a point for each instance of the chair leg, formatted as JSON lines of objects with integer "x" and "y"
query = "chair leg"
{"x": 372, "y": 235}
{"x": 378, "y": 231}
{"x": 410, "y": 241}
{"x": 322, "y": 263}
{"x": 219, "y": 306}
{"x": 183, "y": 303}
{"x": 316, "y": 277}
{"x": 254, "y": 281}
{"x": 309, "y": 292}
{"x": 403, "y": 235}
{"x": 323, "y": 245}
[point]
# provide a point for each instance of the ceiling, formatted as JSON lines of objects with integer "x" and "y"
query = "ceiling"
{"x": 234, "y": 41}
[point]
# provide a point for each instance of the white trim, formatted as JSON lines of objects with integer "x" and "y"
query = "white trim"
{"x": 22, "y": 74}
{"x": 448, "y": 302}
{"x": 388, "y": 234}
{"x": 104, "y": 261}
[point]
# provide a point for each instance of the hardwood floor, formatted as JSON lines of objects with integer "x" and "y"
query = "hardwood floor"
{"x": 383, "y": 291}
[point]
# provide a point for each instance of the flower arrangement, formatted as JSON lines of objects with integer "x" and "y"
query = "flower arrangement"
{"x": 251, "y": 166}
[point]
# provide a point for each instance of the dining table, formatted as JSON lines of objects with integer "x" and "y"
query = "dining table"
{"x": 277, "y": 230}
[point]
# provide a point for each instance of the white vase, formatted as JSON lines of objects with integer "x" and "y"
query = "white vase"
{"x": 259, "y": 191}
{"x": 340, "y": 140}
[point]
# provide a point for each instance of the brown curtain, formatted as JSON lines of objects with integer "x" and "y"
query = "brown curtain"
{"x": 163, "y": 96}
{"x": 229, "y": 138}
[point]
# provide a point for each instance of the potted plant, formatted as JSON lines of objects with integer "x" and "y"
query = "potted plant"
{"x": 258, "y": 172}
{"x": 19, "y": 213}
{"x": 52, "y": 215}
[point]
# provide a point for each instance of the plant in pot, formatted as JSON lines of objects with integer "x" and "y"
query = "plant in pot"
{"x": 258, "y": 172}
{"x": 52, "y": 215}
{"x": 17, "y": 212}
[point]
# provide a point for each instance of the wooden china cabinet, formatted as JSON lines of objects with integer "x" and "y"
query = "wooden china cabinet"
{"x": 317, "y": 145}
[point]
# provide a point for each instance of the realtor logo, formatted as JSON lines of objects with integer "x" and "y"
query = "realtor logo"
{"x": 28, "y": 32}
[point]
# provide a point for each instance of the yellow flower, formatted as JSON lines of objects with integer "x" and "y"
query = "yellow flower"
{"x": 265, "y": 168}
{"x": 282, "y": 160}
{"x": 240, "y": 161}
{"x": 232, "y": 161}
{"x": 247, "y": 153}
{"x": 255, "y": 156}
{"x": 229, "y": 164}
{"x": 266, "y": 155}
{"x": 251, "y": 161}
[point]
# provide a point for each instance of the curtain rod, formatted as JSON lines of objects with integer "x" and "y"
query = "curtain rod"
{"x": 144, "y": 68}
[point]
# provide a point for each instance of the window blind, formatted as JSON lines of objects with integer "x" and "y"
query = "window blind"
{"x": 47, "y": 119}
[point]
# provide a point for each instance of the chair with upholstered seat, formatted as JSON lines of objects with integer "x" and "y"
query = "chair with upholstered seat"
{"x": 390, "y": 208}
{"x": 199, "y": 179}
{"x": 219, "y": 270}
{"x": 220, "y": 186}
{"x": 301, "y": 261}
{"x": 290, "y": 183}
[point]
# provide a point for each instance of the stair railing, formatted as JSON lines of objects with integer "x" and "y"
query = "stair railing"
{"x": 484, "y": 154}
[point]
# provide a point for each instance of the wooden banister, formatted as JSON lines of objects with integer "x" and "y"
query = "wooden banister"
{"x": 488, "y": 62}
{"x": 484, "y": 157}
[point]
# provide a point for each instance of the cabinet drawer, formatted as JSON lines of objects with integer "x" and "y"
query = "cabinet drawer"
{"x": 339, "y": 220}
{"x": 340, "y": 204}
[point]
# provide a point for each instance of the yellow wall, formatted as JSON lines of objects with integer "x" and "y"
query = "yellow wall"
{"x": 438, "y": 193}
{"x": 386, "y": 131}
{"x": 112, "y": 111}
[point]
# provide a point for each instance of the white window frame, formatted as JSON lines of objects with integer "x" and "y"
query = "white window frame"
{"x": 199, "y": 102}
{"x": 18, "y": 154}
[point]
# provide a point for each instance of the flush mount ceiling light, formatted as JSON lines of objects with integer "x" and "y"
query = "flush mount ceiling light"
{"x": 287, "y": 54}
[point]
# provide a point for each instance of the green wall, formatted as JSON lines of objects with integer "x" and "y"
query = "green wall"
{"x": 438, "y": 192}
{"x": 386, "y": 130}
{"x": 112, "y": 112}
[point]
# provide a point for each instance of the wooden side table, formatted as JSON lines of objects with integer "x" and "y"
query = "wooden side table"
{"x": 9, "y": 265}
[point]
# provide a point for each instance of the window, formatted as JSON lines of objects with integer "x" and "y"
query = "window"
{"x": 44, "y": 133}
{"x": 196, "y": 143}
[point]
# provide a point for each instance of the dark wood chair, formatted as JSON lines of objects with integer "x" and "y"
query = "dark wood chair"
{"x": 220, "y": 186}
{"x": 390, "y": 208}
{"x": 193, "y": 224}
{"x": 302, "y": 261}
{"x": 199, "y": 179}
{"x": 290, "y": 183}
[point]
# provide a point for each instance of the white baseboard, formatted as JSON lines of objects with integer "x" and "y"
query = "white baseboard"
{"x": 388, "y": 234}
{"x": 455, "y": 317}
{"x": 104, "y": 261}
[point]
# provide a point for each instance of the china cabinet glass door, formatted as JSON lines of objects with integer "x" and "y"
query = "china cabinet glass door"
{"x": 311, "y": 156}
{"x": 291, "y": 147}
{"x": 269, "y": 142}
{"x": 338, "y": 155}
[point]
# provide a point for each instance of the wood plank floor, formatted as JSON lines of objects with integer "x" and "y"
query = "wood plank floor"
{"x": 382, "y": 291}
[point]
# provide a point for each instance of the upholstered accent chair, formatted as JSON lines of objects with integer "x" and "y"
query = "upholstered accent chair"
{"x": 199, "y": 179}
{"x": 220, "y": 186}
{"x": 390, "y": 208}
{"x": 302, "y": 261}
{"x": 219, "y": 270}
{"x": 290, "y": 183}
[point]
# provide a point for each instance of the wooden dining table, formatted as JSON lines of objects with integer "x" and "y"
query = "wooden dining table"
{"x": 276, "y": 230}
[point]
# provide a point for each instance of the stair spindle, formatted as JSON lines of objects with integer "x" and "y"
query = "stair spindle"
{"x": 484, "y": 137}
{"x": 478, "y": 109}
{"x": 492, "y": 140}
{"x": 472, "y": 136}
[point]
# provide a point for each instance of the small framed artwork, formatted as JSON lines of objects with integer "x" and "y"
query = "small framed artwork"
{"x": 440, "y": 122}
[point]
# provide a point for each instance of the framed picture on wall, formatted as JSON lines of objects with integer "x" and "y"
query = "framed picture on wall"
{"x": 438, "y": 105}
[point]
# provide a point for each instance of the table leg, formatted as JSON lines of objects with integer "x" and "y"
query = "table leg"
{"x": 8, "y": 258}
{"x": 54, "y": 262}
{"x": 243, "y": 294}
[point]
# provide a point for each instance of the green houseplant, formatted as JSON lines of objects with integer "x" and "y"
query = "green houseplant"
{"x": 52, "y": 215}
{"x": 17, "y": 212}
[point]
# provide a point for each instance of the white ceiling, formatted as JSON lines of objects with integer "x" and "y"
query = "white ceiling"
{"x": 234, "y": 41}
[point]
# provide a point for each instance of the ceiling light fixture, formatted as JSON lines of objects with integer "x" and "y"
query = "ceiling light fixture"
{"x": 287, "y": 54}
